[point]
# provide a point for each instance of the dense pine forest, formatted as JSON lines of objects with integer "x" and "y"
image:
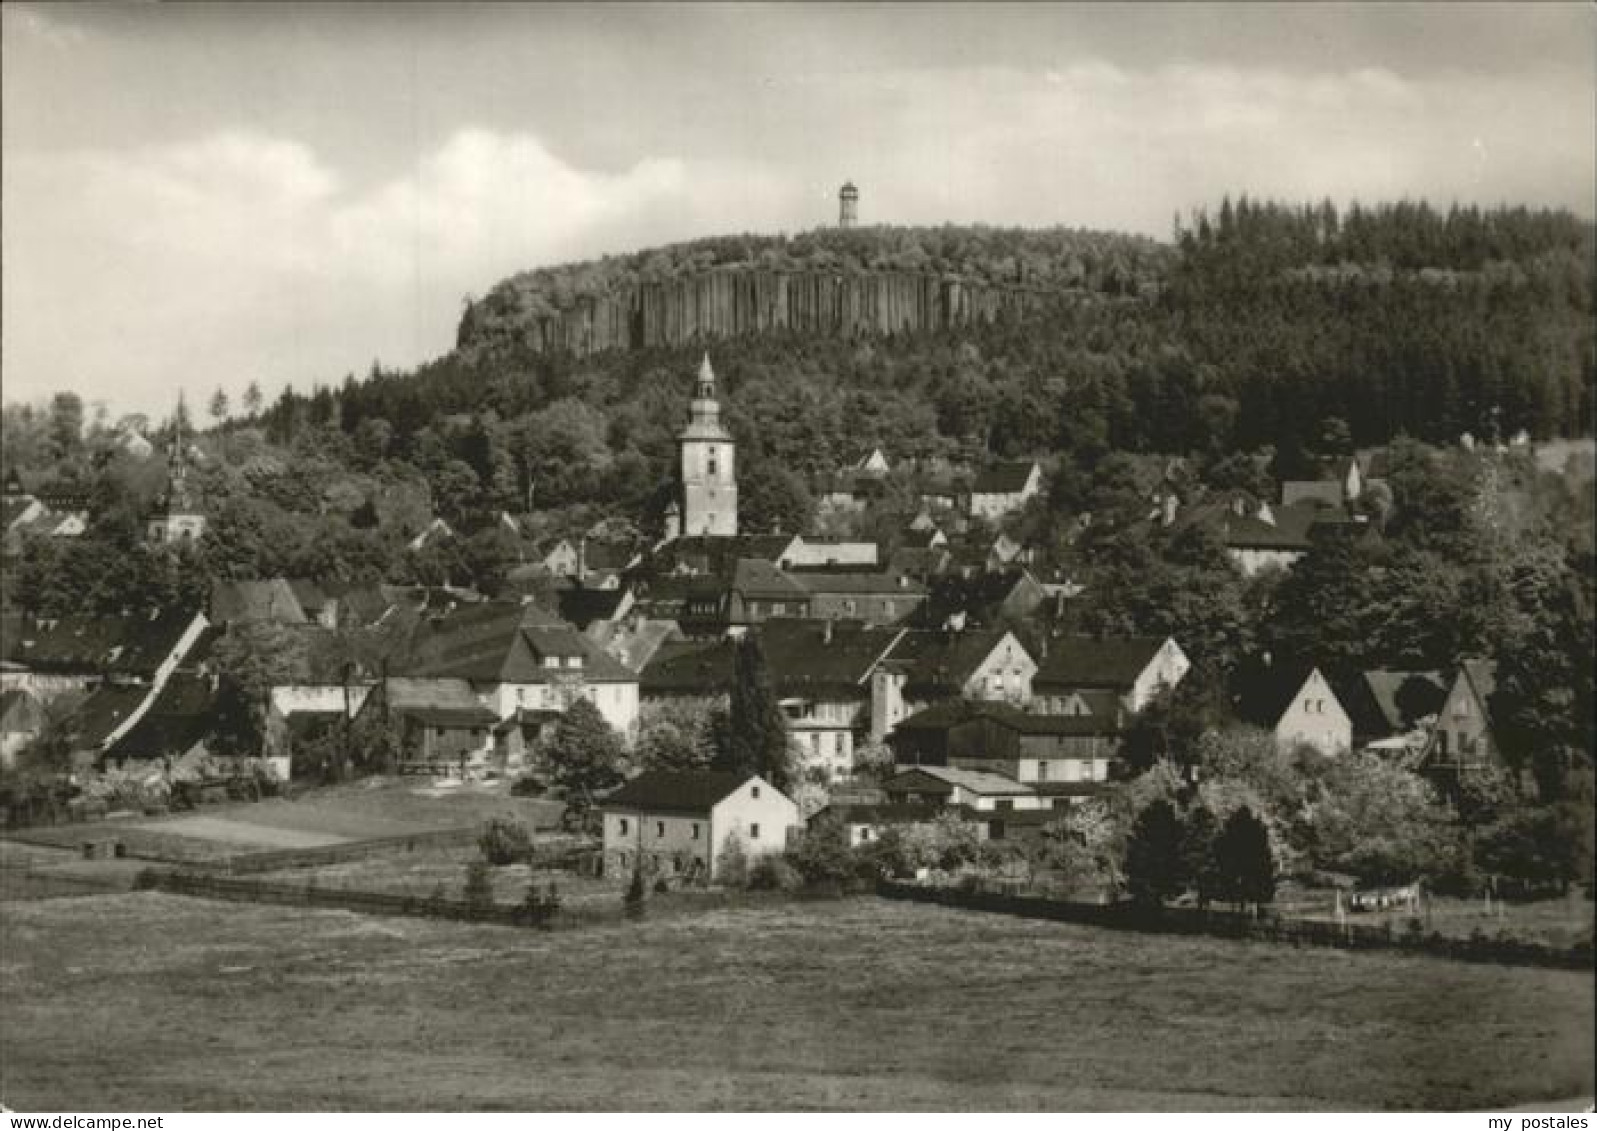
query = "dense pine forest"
{"x": 1261, "y": 322}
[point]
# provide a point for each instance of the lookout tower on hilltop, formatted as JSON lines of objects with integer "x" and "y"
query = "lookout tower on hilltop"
{"x": 847, "y": 205}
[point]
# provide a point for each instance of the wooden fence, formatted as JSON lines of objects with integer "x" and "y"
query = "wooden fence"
{"x": 279, "y": 859}
{"x": 210, "y": 885}
{"x": 1234, "y": 925}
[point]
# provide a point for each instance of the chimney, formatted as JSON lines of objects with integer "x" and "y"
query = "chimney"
{"x": 582, "y": 558}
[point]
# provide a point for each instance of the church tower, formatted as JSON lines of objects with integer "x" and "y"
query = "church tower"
{"x": 176, "y": 517}
{"x": 709, "y": 483}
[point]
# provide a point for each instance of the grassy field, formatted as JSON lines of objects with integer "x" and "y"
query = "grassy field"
{"x": 385, "y": 807}
{"x": 156, "y": 1002}
{"x": 422, "y": 872}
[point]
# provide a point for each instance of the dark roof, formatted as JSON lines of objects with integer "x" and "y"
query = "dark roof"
{"x": 709, "y": 553}
{"x": 885, "y": 813}
{"x": 1382, "y": 702}
{"x": 438, "y": 702}
{"x": 272, "y": 600}
{"x": 803, "y": 661}
{"x": 760, "y": 580}
{"x": 800, "y": 659}
{"x": 1007, "y": 478}
{"x": 676, "y": 791}
{"x": 947, "y": 778}
{"x": 1112, "y": 662}
{"x": 984, "y": 594}
{"x": 181, "y": 715}
{"x": 103, "y": 710}
{"x": 132, "y": 646}
{"x": 582, "y": 606}
{"x": 1263, "y": 695}
{"x": 311, "y": 596}
{"x": 689, "y": 667}
{"x": 500, "y": 642}
{"x": 954, "y": 712}
{"x": 828, "y": 579}
{"x": 940, "y": 662}
{"x": 1327, "y": 491}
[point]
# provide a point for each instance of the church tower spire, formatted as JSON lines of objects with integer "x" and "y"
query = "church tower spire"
{"x": 709, "y": 483}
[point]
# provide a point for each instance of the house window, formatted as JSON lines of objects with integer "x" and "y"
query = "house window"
{"x": 623, "y": 824}
{"x": 1005, "y": 804}
{"x": 659, "y": 829}
{"x": 1463, "y": 709}
{"x": 551, "y": 661}
{"x": 865, "y": 834}
{"x": 1042, "y": 771}
{"x": 695, "y": 830}
{"x": 848, "y": 607}
{"x": 754, "y": 832}
{"x": 755, "y": 793}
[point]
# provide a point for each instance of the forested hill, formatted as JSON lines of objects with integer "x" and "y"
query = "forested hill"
{"x": 1256, "y": 326}
{"x": 836, "y": 281}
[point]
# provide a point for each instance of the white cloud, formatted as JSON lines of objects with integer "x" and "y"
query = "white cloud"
{"x": 241, "y": 255}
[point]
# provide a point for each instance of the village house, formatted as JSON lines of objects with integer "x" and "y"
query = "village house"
{"x": 679, "y": 823}
{"x": 975, "y": 791}
{"x": 21, "y": 720}
{"x": 1005, "y": 488}
{"x": 1462, "y": 740}
{"x": 1392, "y": 710}
{"x": 1296, "y": 704}
{"x": 319, "y": 605}
{"x": 81, "y": 652}
{"x": 820, "y": 672}
{"x": 923, "y": 667}
{"x": 436, "y": 531}
{"x": 1063, "y": 756}
{"x": 519, "y": 658}
{"x": 273, "y": 601}
{"x": 848, "y": 594}
{"x": 1085, "y": 675}
{"x": 989, "y": 597}
{"x": 442, "y": 726}
{"x": 863, "y": 823}
{"x": 805, "y": 552}
{"x": 857, "y": 484}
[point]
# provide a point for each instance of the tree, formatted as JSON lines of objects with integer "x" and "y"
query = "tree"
{"x": 66, "y": 424}
{"x": 732, "y": 865}
{"x": 1244, "y": 867}
{"x": 674, "y": 735}
{"x": 774, "y": 499}
{"x": 758, "y": 738}
{"x": 1199, "y": 832}
{"x": 219, "y": 405}
{"x": 585, "y": 754}
{"x": 822, "y": 854}
{"x": 253, "y": 399}
{"x": 1153, "y": 855}
{"x": 251, "y": 659}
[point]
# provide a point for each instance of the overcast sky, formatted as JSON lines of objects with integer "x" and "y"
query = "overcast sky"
{"x": 199, "y": 196}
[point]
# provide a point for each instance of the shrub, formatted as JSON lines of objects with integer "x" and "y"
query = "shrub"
{"x": 773, "y": 873}
{"x": 541, "y": 907}
{"x": 528, "y": 785}
{"x": 633, "y": 901}
{"x": 479, "y": 891}
{"x": 732, "y": 869}
{"x": 505, "y": 841}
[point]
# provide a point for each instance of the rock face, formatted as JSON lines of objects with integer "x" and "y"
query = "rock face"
{"x": 727, "y": 302}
